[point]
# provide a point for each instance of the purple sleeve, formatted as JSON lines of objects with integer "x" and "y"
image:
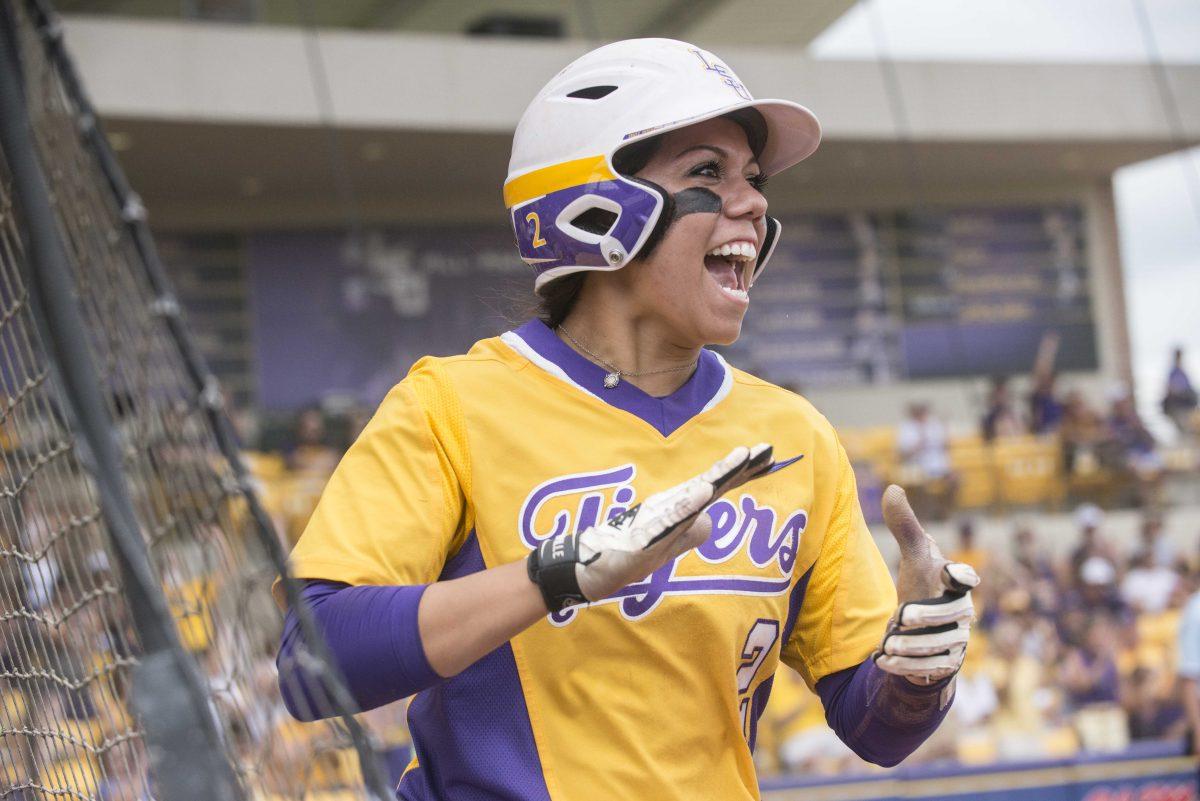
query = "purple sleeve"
{"x": 373, "y": 635}
{"x": 883, "y": 718}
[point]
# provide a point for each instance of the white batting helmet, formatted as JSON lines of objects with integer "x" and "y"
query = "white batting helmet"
{"x": 562, "y": 157}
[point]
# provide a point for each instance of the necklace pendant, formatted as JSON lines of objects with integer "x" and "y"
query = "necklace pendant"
{"x": 612, "y": 379}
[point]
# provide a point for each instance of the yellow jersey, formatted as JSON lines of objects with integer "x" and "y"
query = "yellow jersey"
{"x": 655, "y": 692}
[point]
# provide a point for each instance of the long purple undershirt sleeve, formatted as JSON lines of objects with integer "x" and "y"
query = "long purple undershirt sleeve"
{"x": 881, "y": 717}
{"x": 373, "y": 635}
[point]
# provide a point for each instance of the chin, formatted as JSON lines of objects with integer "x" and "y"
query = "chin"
{"x": 722, "y": 333}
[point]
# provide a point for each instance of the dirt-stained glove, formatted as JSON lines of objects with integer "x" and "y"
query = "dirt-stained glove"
{"x": 926, "y": 639}
{"x": 575, "y": 568}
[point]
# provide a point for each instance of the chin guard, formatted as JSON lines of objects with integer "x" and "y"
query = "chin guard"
{"x": 774, "y": 228}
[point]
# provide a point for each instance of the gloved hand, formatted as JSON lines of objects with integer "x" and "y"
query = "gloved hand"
{"x": 926, "y": 639}
{"x": 575, "y": 568}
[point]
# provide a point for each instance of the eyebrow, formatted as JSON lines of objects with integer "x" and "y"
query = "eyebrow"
{"x": 719, "y": 151}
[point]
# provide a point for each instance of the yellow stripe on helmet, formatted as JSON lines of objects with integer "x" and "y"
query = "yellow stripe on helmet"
{"x": 555, "y": 177}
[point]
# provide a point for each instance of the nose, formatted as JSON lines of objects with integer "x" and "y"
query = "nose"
{"x": 743, "y": 201}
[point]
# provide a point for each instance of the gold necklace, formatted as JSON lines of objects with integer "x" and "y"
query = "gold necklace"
{"x": 614, "y": 373}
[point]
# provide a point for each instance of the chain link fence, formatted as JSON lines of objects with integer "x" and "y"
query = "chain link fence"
{"x": 70, "y": 641}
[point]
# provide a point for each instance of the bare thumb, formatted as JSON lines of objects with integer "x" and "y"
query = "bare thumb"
{"x": 921, "y": 562}
{"x": 902, "y": 522}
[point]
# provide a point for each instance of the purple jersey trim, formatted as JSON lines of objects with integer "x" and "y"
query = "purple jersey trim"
{"x": 471, "y": 732}
{"x": 666, "y": 413}
{"x": 758, "y": 702}
{"x": 373, "y": 634}
{"x": 883, "y": 718}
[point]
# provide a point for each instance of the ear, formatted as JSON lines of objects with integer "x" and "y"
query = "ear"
{"x": 774, "y": 229}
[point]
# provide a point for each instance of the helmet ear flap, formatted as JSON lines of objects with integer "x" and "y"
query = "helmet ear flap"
{"x": 665, "y": 215}
{"x": 774, "y": 229}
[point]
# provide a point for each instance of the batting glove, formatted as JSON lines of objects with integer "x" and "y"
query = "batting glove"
{"x": 573, "y": 568}
{"x": 926, "y": 640}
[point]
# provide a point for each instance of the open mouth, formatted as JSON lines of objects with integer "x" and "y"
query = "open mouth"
{"x": 729, "y": 264}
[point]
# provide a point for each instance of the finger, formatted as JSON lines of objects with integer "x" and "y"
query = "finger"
{"x": 935, "y": 640}
{"x": 902, "y": 522}
{"x": 727, "y": 474}
{"x": 959, "y": 577}
{"x": 936, "y": 667}
{"x": 949, "y": 608}
{"x": 725, "y": 469}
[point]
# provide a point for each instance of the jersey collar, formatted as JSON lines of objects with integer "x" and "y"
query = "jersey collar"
{"x": 708, "y": 385}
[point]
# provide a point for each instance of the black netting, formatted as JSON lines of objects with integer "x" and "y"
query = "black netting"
{"x": 68, "y": 644}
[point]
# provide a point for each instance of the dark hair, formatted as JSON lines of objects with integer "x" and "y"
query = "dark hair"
{"x": 558, "y": 297}
{"x": 631, "y": 159}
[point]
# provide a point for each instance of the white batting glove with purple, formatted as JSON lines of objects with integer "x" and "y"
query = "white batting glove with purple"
{"x": 575, "y": 568}
{"x": 926, "y": 640}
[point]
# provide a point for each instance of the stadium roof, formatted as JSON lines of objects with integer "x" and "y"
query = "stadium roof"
{"x": 702, "y": 21}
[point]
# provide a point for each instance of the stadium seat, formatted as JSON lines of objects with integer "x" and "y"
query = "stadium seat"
{"x": 974, "y": 464}
{"x": 1029, "y": 470}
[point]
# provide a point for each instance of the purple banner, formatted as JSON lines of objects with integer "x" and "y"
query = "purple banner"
{"x": 337, "y": 318}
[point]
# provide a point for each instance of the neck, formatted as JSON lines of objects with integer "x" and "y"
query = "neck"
{"x": 629, "y": 340}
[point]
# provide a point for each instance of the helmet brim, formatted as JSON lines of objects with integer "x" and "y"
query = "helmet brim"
{"x": 793, "y": 132}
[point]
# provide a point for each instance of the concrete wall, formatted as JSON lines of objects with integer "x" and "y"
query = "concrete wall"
{"x": 983, "y": 133}
{"x": 261, "y": 74}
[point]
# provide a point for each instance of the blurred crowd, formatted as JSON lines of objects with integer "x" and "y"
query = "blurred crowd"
{"x": 69, "y": 646}
{"x": 1071, "y": 654}
{"x": 1085, "y": 449}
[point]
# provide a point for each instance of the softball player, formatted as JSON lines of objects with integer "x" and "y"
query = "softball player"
{"x": 509, "y": 538}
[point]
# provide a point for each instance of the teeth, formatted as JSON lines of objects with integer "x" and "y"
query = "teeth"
{"x": 739, "y": 294}
{"x": 737, "y": 251}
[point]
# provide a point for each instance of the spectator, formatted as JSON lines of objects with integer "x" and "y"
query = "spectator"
{"x": 310, "y": 452}
{"x": 1026, "y": 554}
{"x": 1089, "y": 518}
{"x": 1045, "y": 409}
{"x": 1148, "y": 707}
{"x": 1089, "y": 671}
{"x": 1132, "y": 448}
{"x": 1180, "y": 400}
{"x": 1093, "y": 684}
{"x": 1001, "y": 419}
{"x": 1081, "y": 431}
{"x": 923, "y": 445}
{"x": 1097, "y": 591}
{"x": 1147, "y": 587}
{"x": 1160, "y": 550}
{"x": 968, "y": 547}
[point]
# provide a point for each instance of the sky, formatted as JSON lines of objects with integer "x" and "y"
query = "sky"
{"x": 1158, "y": 202}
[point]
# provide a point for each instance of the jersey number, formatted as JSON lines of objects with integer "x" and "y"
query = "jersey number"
{"x": 537, "y": 229}
{"x": 758, "y": 645}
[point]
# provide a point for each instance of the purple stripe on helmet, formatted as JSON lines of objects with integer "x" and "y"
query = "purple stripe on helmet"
{"x": 472, "y": 734}
{"x": 543, "y": 238}
{"x": 666, "y": 413}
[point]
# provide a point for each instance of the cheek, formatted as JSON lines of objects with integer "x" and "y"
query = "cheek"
{"x": 681, "y": 251}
